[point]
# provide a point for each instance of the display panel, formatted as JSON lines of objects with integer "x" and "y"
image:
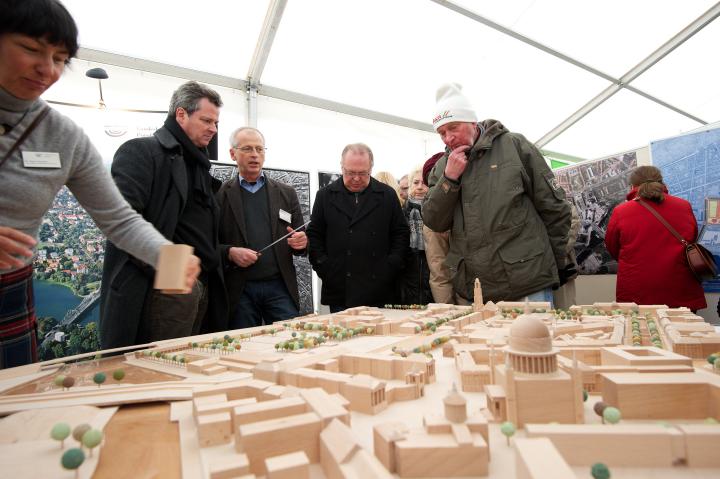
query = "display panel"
{"x": 595, "y": 188}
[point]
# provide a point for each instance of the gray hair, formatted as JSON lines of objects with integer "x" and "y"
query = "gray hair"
{"x": 188, "y": 97}
{"x": 235, "y": 132}
{"x": 357, "y": 148}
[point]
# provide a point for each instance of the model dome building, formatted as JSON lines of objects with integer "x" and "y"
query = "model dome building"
{"x": 529, "y": 387}
{"x": 455, "y": 406}
{"x": 529, "y": 348}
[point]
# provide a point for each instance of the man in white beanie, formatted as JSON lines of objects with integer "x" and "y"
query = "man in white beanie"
{"x": 508, "y": 217}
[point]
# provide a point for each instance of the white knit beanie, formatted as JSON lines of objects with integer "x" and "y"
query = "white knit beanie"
{"x": 452, "y": 105}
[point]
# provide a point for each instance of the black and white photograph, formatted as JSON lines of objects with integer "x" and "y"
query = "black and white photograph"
{"x": 327, "y": 177}
{"x": 595, "y": 189}
{"x": 223, "y": 171}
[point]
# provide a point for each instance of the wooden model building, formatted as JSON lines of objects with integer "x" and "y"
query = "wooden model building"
{"x": 390, "y": 393}
{"x": 530, "y": 383}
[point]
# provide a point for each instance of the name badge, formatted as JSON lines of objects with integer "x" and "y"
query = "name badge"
{"x": 285, "y": 216}
{"x": 41, "y": 159}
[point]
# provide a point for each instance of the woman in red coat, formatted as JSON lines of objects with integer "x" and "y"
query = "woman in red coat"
{"x": 652, "y": 268}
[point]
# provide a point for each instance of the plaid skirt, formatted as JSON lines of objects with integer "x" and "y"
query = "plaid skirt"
{"x": 18, "y": 336}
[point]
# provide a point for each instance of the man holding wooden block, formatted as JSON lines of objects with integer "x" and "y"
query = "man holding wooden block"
{"x": 166, "y": 179}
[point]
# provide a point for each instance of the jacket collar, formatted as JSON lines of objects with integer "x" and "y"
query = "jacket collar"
{"x": 490, "y": 129}
{"x": 179, "y": 174}
{"x": 337, "y": 186}
{"x": 166, "y": 139}
{"x": 633, "y": 192}
{"x": 374, "y": 192}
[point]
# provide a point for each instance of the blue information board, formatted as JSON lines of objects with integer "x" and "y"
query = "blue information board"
{"x": 690, "y": 165}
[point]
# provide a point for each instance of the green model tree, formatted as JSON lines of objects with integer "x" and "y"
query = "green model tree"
{"x": 118, "y": 374}
{"x": 99, "y": 378}
{"x": 60, "y": 432}
{"x": 611, "y": 415}
{"x": 92, "y": 439}
{"x": 600, "y": 471}
{"x": 508, "y": 430}
{"x": 72, "y": 459}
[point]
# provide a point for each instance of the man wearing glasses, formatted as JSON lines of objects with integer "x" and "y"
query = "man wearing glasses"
{"x": 166, "y": 178}
{"x": 358, "y": 236}
{"x": 255, "y": 211}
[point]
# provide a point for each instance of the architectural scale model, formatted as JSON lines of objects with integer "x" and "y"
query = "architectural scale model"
{"x": 393, "y": 393}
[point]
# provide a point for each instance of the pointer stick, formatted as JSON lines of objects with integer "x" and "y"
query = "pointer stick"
{"x": 283, "y": 237}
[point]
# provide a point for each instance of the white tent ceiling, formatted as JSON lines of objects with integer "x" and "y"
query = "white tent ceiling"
{"x": 584, "y": 78}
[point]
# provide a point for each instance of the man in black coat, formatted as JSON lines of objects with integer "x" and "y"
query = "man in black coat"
{"x": 166, "y": 179}
{"x": 256, "y": 211}
{"x": 358, "y": 236}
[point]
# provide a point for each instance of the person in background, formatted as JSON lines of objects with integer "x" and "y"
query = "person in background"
{"x": 41, "y": 152}
{"x": 403, "y": 189}
{"x": 387, "y": 178}
{"x": 357, "y": 236}
{"x": 415, "y": 288}
{"x": 255, "y": 211}
{"x": 166, "y": 178}
{"x": 564, "y": 296}
{"x": 508, "y": 217}
{"x": 436, "y": 250}
{"x": 651, "y": 262}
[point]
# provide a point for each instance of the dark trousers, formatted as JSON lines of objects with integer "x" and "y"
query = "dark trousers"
{"x": 263, "y": 302}
{"x": 176, "y": 315}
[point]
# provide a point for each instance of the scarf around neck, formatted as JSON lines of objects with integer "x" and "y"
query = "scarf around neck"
{"x": 415, "y": 222}
{"x": 197, "y": 161}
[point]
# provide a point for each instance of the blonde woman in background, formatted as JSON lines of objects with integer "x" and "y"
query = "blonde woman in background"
{"x": 387, "y": 178}
{"x": 415, "y": 288}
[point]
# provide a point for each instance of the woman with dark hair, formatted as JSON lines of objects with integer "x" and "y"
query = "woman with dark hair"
{"x": 651, "y": 262}
{"x": 40, "y": 152}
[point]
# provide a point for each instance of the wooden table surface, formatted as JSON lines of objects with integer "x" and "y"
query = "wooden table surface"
{"x": 140, "y": 443}
{"x": 140, "y": 440}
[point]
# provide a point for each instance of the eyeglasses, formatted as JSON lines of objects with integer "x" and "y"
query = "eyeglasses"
{"x": 355, "y": 174}
{"x": 249, "y": 149}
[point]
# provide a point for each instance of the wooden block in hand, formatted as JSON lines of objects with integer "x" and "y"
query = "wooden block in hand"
{"x": 170, "y": 269}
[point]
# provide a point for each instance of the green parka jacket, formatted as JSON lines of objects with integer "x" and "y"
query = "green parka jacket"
{"x": 508, "y": 217}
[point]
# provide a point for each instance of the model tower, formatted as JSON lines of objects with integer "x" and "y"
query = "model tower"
{"x": 478, "y": 297}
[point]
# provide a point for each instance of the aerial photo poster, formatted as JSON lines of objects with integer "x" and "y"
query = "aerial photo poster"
{"x": 71, "y": 249}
